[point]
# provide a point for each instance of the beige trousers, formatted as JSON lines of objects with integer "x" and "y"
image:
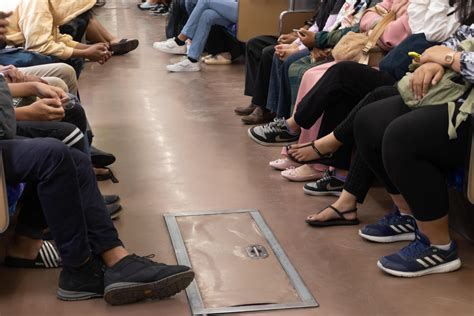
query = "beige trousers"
{"x": 59, "y": 75}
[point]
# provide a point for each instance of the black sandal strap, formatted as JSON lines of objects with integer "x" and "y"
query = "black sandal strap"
{"x": 339, "y": 213}
{"x": 319, "y": 153}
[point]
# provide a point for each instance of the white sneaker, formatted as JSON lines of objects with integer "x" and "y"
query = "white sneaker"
{"x": 169, "y": 46}
{"x": 184, "y": 66}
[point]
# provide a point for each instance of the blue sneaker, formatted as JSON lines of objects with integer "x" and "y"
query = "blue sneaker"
{"x": 419, "y": 258}
{"x": 392, "y": 227}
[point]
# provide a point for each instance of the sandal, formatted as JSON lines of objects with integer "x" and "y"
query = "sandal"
{"x": 124, "y": 46}
{"x": 47, "y": 258}
{"x": 107, "y": 176}
{"x": 341, "y": 221}
{"x": 323, "y": 158}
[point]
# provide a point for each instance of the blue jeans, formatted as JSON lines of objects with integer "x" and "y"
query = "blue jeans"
{"x": 279, "y": 92}
{"x": 207, "y": 13}
{"x": 190, "y": 5}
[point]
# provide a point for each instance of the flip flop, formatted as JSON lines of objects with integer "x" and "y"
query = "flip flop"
{"x": 107, "y": 176}
{"x": 341, "y": 221}
{"x": 124, "y": 46}
{"x": 47, "y": 258}
{"x": 323, "y": 158}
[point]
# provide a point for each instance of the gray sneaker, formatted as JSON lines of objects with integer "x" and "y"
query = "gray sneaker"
{"x": 327, "y": 185}
{"x": 275, "y": 133}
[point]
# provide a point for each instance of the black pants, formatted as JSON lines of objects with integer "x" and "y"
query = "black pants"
{"x": 338, "y": 91}
{"x": 411, "y": 153}
{"x": 68, "y": 196}
{"x": 360, "y": 177}
{"x": 221, "y": 41}
{"x": 70, "y": 130}
{"x": 259, "y": 57}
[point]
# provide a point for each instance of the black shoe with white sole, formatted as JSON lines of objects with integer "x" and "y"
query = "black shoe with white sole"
{"x": 135, "y": 279}
{"x": 275, "y": 133}
{"x": 327, "y": 185}
{"x": 82, "y": 283}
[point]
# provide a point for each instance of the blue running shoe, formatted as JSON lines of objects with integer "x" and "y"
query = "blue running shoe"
{"x": 392, "y": 227}
{"x": 419, "y": 258}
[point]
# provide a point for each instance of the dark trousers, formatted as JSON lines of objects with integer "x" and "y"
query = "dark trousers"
{"x": 338, "y": 91}
{"x": 220, "y": 40}
{"x": 411, "y": 153}
{"x": 68, "y": 196}
{"x": 70, "y": 130}
{"x": 360, "y": 177}
{"x": 259, "y": 55}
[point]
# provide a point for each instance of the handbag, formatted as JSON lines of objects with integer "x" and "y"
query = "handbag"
{"x": 448, "y": 90}
{"x": 362, "y": 48}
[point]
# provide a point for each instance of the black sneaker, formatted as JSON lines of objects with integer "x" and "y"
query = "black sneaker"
{"x": 135, "y": 278}
{"x": 83, "y": 283}
{"x": 327, "y": 185}
{"x": 275, "y": 133}
{"x": 160, "y": 10}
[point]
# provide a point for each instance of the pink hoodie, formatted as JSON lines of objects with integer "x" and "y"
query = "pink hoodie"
{"x": 394, "y": 33}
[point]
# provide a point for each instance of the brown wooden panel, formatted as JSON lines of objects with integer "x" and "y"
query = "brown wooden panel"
{"x": 293, "y": 20}
{"x": 259, "y": 17}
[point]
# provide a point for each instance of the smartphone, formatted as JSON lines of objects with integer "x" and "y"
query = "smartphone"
{"x": 299, "y": 32}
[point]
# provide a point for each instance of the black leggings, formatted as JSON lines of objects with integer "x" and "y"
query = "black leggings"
{"x": 360, "y": 177}
{"x": 410, "y": 152}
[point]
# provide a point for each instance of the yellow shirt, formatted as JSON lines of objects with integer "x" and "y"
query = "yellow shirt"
{"x": 35, "y": 25}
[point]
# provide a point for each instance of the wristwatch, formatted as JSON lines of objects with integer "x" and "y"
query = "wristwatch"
{"x": 449, "y": 58}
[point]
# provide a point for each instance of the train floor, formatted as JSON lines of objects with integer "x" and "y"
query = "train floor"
{"x": 180, "y": 147}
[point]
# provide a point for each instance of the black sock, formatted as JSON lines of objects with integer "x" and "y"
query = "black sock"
{"x": 192, "y": 60}
{"x": 179, "y": 42}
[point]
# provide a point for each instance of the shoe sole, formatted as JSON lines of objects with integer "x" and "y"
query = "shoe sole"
{"x": 267, "y": 144}
{"x": 325, "y": 193}
{"x": 301, "y": 178}
{"x": 442, "y": 268}
{"x": 178, "y": 71}
{"x": 116, "y": 214}
{"x": 388, "y": 239}
{"x": 169, "y": 51}
{"x": 71, "y": 296}
{"x": 126, "y": 293}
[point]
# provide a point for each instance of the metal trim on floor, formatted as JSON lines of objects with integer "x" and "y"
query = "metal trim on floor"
{"x": 193, "y": 293}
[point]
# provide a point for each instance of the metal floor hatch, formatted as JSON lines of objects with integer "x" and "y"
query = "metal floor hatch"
{"x": 239, "y": 264}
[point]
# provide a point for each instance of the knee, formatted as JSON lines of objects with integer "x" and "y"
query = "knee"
{"x": 53, "y": 149}
{"x": 69, "y": 76}
{"x": 57, "y": 82}
{"x": 268, "y": 52}
{"x": 397, "y": 146}
{"x": 208, "y": 16}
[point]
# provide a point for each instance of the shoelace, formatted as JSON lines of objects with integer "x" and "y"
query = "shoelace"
{"x": 414, "y": 249}
{"x": 390, "y": 218}
{"x": 327, "y": 176}
{"x": 276, "y": 126}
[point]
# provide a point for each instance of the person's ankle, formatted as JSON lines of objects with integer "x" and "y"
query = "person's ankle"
{"x": 112, "y": 256}
{"x": 292, "y": 128}
{"x": 23, "y": 247}
{"x": 344, "y": 205}
{"x": 179, "y": 42}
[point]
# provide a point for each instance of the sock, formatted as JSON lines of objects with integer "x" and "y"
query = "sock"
{"x": 179, "y": 42}
{"x": 192, "y": 60}
{"x": 443, "y": 247}
{"x": 404, "y": 213}
{"x": 342, "y": 178}
{"x": 290, "y": 130}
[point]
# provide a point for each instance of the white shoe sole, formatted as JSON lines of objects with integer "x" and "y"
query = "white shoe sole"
{"x": 388, "y": 239}
{"x": 442, "y": 268}
{"x": 171, "y": 69}
{"x": 169, "y": 51}
{"x": 325, "y": 193}
{"x": 268, "y": 144}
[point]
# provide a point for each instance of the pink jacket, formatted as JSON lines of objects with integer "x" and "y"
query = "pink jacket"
{"x": 395, "y": 32}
